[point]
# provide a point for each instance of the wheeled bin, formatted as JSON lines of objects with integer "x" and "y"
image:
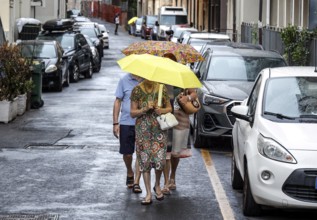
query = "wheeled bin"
{"x": 36, "y": 95}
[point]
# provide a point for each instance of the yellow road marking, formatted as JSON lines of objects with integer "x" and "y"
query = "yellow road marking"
{"x": 221, "y": 197}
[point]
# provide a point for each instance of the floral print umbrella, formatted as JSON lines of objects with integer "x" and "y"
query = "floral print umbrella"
{"x": 184, "y": 53}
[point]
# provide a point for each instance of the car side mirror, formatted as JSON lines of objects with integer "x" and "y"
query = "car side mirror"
{"x": 241, "y": 112}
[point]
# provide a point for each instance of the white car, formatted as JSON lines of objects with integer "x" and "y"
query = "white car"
{"x": 275, "y": 142}
{"x": 198, "y": 39}
{"x": 179, "y": 30}
{"x": 105, "y": 35}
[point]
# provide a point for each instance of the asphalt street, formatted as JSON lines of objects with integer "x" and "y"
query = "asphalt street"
{"x": 62, "y": 162}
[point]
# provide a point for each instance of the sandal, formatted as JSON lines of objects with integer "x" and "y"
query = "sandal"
{"x": 166, "y": 190}
{"x": 172, "y": 184}
{"x": 158, "y": 197}
{"x": 144, "y": 202}
{"x": 136, "y": 188}
{"x": 130, "y": 181}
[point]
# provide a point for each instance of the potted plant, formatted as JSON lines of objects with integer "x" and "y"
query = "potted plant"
{"x": 15, "y": 80}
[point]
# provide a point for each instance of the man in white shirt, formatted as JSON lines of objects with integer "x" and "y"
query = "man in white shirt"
{"x": 117, "y": 22}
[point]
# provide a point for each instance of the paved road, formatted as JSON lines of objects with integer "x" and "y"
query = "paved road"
{"x": 62, "y": 161}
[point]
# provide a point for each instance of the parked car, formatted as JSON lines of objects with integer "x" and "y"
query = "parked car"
{"x": 274, "y": 141}
{"x": 76, "y": 49}
{"x": 227, "y": 75}
{"x": 55, "y": 74}
{"x": 93, "y": 31}
{"x": 148, "y": 22}
{"x": 197, "y": 40}
{"x": 96, "y": 65}
{"x": 138, "y": 25}
{"x": 105, "y": 34}
{"x": 179, "y": 30}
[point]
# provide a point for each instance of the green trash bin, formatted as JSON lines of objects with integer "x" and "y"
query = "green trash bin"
{"x": 36, "y": 95}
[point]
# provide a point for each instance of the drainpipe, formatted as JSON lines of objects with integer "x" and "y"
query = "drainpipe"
{"x": 260, "y": 22}
{"x": 209, "y": 16}
{"x": 234, "y": 37}
{"x": 194, "y": 16}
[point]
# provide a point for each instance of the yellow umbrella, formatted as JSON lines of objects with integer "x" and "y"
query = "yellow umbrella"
{"x": 132, "y": 20}
{"x": 160, "y": 69}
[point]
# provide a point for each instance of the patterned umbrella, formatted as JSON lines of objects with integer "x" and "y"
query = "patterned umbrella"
{"x": 184, "y": 53}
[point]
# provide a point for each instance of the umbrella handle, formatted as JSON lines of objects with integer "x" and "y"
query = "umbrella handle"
{"x": 159, "y": 100}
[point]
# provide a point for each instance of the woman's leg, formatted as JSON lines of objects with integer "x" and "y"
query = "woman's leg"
{"x": 174, "y": 165}
{"x": 166, "y": 173}
{"x": 147, "y": 183}
{"x": 158, "y": 174}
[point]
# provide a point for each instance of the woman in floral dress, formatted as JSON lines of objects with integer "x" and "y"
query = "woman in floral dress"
{"x": 151, "y": 141}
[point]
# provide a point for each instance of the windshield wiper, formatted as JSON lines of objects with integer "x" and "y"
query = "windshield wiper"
{"x": 279, "y": 115}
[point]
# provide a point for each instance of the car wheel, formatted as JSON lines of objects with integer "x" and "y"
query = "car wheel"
{"x": 236, "y": 179}
{"x": 250, "y": 207}
{"x": 75, "y": 73}
{"x": 199, "y": 141}
{"x": 66, "y": 83}
{"x": 89, "y": 72}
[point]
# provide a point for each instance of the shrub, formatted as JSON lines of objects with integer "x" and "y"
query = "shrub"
{"x": 15, "y": 73}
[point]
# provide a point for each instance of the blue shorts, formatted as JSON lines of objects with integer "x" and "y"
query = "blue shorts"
{"x": 127, "y": 139}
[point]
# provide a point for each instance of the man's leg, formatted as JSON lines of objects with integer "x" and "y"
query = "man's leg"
{"x": 128, "y": 163}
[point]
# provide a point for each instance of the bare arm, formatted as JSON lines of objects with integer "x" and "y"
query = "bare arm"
{"x": 135, "y": 112}
{"x": 116, "y": 111}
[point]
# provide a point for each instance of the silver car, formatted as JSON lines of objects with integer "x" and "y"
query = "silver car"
{"x": 227, "y": 75}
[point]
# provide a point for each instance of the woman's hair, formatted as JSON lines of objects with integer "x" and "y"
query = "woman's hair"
{"x": 171, "y": 56}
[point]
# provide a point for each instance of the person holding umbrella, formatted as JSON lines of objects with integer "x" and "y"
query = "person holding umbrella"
{"x": 151, "y": 141}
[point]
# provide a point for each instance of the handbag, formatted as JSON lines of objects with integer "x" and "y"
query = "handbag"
{"x": 190, "y": 107}
{"x": 167, "y": 121}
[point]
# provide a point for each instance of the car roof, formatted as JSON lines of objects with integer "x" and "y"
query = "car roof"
{"x": 290, "y": 71}
{"x": 53, "y": 42}
{"x": 205, "y": 35}
{"x": 226, "y": 50}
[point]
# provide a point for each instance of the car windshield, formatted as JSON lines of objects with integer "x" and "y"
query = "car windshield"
{"x": 173, "y": 19}
{"x": 292, "y": 97}
{"x": 151, "y": 20}
{"x": 138, "y": 21}
{"x": 89, "y": 32}
{"x": 38, "y": 51}
{"x": 67, "y": 42}
{"x": 226, "y": 68}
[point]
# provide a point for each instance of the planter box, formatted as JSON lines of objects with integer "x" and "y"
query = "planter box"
{"x": 21, "y": 104}
{"x": 8, "y": 110}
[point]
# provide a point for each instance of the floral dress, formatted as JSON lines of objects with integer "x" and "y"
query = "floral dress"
{"x": 151, "y": 141}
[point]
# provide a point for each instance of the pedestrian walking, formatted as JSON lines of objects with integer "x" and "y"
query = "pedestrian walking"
{"x": 124, "y": 129}
{"x": 155, "y": 31}
{"x": 117, "y": 22}
{"x": 132, "y": 28}
{"x": 151, "y": 141}
{"x": 167, "y": 167}
{"x": 180, "y": 133}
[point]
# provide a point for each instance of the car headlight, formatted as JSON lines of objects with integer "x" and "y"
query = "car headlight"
{"x": 273, "y": 150}
{"x": 51, "y": 68}
{"x": 210, "y": 99}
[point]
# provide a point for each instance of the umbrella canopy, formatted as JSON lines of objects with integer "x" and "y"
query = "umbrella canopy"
{"x": 184, "y": 53}
{"x": 160, "y": 69}
{"x": 132, "y": 20}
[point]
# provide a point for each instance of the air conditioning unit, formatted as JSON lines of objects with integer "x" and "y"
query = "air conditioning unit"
{"x": 40, "y": 3}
